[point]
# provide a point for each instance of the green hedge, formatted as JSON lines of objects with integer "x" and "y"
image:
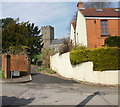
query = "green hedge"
{"x": 103, "y": 58}
{"x": 113, "y": 41}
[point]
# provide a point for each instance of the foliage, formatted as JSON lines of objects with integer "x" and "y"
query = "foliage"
{"x": 14, "y": 36}
{"x": 17, "y": 36}
{"x": 107, "y": 58}
{"x": 6, "y": 21}
{"x": 36, "y": 59}
{"x": 79, "y": 56}
{"x": 66, "y": 47}
{"x": 44, "y": 69}
{"x": 1, "y": 73}
{"x": 93, "y": 5}
{"x": 97, "y": 4}
{"x": 79, "y": 47}
{"x": 35, "y": 41}
{"x": 46, "y": 53}
{"x": 113, "y": 41}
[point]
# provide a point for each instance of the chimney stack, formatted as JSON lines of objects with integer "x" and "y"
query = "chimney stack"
{"x": 80, "y": 4}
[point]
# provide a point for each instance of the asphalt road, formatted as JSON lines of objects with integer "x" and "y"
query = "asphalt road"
{"x": 47, "y": 79}
{"x": 40, "y": 78}
{"x": 48, "y": 90}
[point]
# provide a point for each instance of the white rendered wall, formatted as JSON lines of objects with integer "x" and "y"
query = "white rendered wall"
{"x": 81, "y": 34}
{"x": 72, "y": 34}
{"x": 83, "y": 72}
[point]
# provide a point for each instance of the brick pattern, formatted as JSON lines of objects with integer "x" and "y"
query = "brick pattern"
{"x": 93, "y": 27}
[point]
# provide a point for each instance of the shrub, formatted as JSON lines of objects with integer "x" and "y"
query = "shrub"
{"x": 46, "y": 53}
{"x": 79, "y": 47}
{"x": 36, "y": 59}
{"x": 113, "y": 41}
{"x": 79, "y": 56}
{"x": 103, "y": 58}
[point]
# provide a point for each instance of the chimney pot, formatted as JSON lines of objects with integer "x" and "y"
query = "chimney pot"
{"x": 80, "y": 4}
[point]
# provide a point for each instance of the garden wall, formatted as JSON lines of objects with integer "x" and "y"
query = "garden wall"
{"x": 83, "y": 72}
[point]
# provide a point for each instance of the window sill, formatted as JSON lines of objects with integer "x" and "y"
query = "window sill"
{"x": 104, "y": 35}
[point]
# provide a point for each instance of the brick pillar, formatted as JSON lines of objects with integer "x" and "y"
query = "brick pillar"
{"x": 29, "y": 67}
{"x": 7, "y": 66}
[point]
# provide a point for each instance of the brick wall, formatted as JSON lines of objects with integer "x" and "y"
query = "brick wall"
{"x": 94, "y": 31}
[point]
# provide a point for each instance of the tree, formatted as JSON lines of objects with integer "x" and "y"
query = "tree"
{"x": 35, "y": 39}
{"x": 97, "y": 4}
{"x": 5, "y": 22}
{"x": 19, "y": 37}
{"x": 66, "y": 47}
{"x": 14, "y": 35}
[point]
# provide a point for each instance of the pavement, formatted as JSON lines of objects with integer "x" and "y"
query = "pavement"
{"x": 22, "y": 79}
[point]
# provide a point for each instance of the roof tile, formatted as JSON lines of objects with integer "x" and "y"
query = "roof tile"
{"x": 107, "y": 12}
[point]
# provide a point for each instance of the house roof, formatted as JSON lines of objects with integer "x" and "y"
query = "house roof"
{"x": 57, "y": 41}
{"x": 107, "y": 12}
{"x": 74, "y": 24}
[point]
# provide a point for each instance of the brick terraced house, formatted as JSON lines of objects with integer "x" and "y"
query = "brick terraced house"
{"x": 92, "y": 26}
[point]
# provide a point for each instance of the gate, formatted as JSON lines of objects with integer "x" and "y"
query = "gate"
{"x": 11, "y": 63}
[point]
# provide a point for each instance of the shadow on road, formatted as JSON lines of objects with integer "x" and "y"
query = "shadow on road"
{"x": 84, "y": 102}
{"x": 13, "y": 101}
{"x": 32, "y": 74}
{"x": 43, "y": 78}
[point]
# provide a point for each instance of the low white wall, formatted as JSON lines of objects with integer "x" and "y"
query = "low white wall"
{"x": 84, "y": 72}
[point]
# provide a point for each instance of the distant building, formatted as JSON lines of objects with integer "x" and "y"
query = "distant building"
{"x": 48, "y": 35}
{"x": 56, "y": 44}
{"x": 93, "y": 26}
{"x": 49, "y": 40}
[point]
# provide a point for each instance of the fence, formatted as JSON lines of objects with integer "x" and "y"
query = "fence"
{"x": 15, "y": 63}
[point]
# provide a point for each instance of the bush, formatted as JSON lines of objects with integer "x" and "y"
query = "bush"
{"x": 79, "y": 47}
{"x": 36, "y": 59}
{"x": 103, "y": 58}
{"x": 113, "y": 41}
{"x": 46, "y": 53}
{"x": 79, "y": 56}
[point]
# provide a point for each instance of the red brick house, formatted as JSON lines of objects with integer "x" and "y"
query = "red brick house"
{"x": 93, "y": 26}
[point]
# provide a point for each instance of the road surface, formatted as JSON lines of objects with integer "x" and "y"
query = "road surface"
{"x": 48, "y": 90}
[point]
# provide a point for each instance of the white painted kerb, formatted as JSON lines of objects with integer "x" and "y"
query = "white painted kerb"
{"x": 83, "y": 72}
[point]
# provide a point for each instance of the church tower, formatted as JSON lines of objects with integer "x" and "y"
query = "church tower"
{"x": 48, "y": 35}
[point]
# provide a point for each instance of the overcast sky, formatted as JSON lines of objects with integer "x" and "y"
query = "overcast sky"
{"x": 56, "y": 14}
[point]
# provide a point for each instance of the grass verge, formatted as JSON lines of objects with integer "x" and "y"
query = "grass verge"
{"x": 44, "y": 69}
{"x": 1, "y": 73}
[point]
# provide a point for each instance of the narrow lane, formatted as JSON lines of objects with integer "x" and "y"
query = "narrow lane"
{"x": 43, "y": 78}
{"x": 40, "y": 78}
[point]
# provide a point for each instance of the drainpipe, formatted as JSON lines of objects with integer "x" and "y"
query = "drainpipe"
{"x": 75, "y": 37}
